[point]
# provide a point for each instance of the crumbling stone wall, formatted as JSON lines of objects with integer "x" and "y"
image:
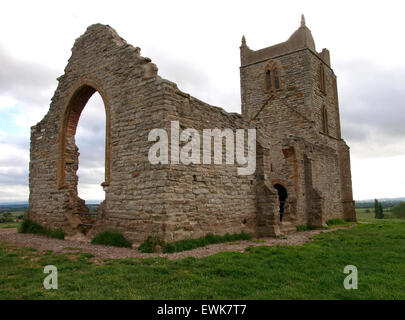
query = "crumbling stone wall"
{"x": 133, "y": 98}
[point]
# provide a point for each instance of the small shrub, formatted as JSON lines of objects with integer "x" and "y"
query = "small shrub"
{"x": 149, "y": 245}
{"x": 111, "y": 238}
{"x": 335, "y": 222}
{"x": 305, "y": 227}
{"x": 29, "y": 226}
{"x": 57, "y": 233}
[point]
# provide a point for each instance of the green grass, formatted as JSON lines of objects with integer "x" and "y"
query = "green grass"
{"x": 362, "y": 216}
{"x": 313, "y": 270}
{"x": 111, "y": 238}
{"x": 150, "y": 244}
{"x": 9, "y": 225}
{"x": 29, "y": 226}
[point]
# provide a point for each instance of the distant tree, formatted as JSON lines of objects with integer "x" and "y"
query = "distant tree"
{"x": 398, "y": 210}
{"x": 376, "y": 208}
{"x": 367, "y": 211}
{"x": 380, "y": 211}
{"x": 6, "y": 217}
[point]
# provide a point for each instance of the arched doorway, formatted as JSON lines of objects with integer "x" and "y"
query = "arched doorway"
{"x": 90, "y": 140}
{"x": 67, "y": 148}
{"x": 282, "y": 196}
{"x": 77, "y": 211}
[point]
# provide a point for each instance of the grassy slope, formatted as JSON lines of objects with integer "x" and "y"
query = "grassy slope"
{"x": 311, "y": 271}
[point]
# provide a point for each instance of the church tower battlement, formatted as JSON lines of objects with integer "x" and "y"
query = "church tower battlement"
{"x": 293, "y": 74}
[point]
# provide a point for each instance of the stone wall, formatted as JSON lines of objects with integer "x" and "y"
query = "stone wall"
{"x": 177, "y": 201}
{"x": 203, "y": 198}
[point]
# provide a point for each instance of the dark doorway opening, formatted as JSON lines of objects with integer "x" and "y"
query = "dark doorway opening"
{"x": 282, "y": 196}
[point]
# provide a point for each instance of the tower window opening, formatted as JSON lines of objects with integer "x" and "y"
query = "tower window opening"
{"x": 276, "y": 79}
{"x": 272, "y": 77}
{"x": 325, "y": 126}
{"x": 268, "y": 80}
{"x": 322, "y": 83}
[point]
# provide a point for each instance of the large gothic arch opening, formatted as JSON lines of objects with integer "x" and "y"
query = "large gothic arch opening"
{"x": 67, "y": 157}
{"x": 90, "y": 140}
{"x": 78, "y": 214}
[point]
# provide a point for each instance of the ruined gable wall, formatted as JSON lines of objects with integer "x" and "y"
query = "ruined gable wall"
{"x": 132, "y": 91}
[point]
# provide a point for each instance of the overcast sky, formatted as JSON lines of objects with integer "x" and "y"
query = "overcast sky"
{"x": 196, "y": 45}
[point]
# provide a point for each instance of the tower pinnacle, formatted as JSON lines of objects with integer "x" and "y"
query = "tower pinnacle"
{"x": 243, "y": 41}
{"x": 303, "y": 21}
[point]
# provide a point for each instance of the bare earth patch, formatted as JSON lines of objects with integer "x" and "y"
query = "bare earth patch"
{"x": 42, "y": 243}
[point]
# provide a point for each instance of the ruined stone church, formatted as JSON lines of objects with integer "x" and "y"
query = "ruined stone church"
{"x": 288, "y": 94}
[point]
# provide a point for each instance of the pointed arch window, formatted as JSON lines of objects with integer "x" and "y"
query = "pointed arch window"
{"x": 322, "y": 82}
{"x": 268, "y": 80}
{"x": 325, "y": 125}
{"x": 276, "y": 79}
{"x": 272, "y": 77}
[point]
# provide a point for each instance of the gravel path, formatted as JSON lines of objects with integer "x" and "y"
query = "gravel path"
{"x": 41, "y": 243}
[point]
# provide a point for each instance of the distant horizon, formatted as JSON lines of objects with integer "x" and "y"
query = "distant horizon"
{"x": 3, "y": 203}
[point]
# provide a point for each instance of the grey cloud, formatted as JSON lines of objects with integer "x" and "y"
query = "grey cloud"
{"x": 90, "y": 139}
{"x": 216, "y": 89}
{"x": 25, "y": 81}
{"x": 21, "y": 142}
{"x": 14, "y": 165}
{"x": 372, "y": 103}
{"x": 93, "y": 176}
{"x": 13, "y": 193}
{"x": 183, "y": 72}
{"x": 15, "y": 176}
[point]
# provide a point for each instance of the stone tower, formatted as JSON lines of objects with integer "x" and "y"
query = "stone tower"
{"x": 289, "y": 93}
